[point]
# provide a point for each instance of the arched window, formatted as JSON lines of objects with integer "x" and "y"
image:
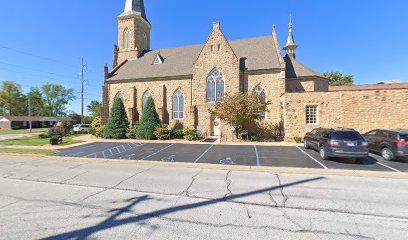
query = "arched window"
{"x": 215, "y": 86}
{"x": 146, "y": 95}
{"x": 126, "y": 39}
{"x": 178, "y": 105}
{"x": 120, "y": 95}
{"x": 259, "y": 91}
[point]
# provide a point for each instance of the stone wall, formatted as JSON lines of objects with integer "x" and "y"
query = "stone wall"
{"x": 307, "y": 85}
{"x": 361, "y": 110}
{"x": 138, "y": 28}
{"x": 162, "y": 92}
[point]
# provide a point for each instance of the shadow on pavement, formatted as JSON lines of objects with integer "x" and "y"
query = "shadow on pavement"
{"x": 114, "y": 220}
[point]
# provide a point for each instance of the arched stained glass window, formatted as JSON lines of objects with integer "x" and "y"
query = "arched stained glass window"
{"x": 126, "y": 39}
{"x": 146, "y": 95}
{"x": 215, "y": 86}
{"x": 120, "y": 95}
{"x": 259, "y": 91}
{"x": 178, "y": 105}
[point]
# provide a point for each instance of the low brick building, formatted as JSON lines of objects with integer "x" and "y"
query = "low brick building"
{"x": 187, "y": 81}
{"x": 23, "y": 122}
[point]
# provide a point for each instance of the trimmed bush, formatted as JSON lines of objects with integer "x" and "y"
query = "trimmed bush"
{"x": 253, "y": 138}
{"x": 190, "y": 134}
{"x": 55, "y": 140}
{"x": 150, "y": 121}
{"x": 97, "y": 127}
{"x": 162, "y": 132}
{"x": 176, "y": 134}
{"x": 298, "y": 139}
{"x": 118, "y": 123}
{"x": 131, "y": 133}
{"x": 56, "y": 131}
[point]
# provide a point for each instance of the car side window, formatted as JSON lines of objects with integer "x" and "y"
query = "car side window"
{"x": 315, "y": 131}
{"x": 372, "y": 133}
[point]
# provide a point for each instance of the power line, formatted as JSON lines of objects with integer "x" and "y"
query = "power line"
{"x": 33, "y": 69}
{"x": 35, "y": 55}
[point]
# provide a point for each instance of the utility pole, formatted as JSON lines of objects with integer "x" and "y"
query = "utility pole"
{"x": 29, "y": 115}
{"x": 83, "y": 66}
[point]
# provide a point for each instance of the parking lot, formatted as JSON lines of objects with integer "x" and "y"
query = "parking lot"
{"x": 247, "y": 155}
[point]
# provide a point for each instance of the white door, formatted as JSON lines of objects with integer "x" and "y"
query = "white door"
{"x": 217, "y": 126}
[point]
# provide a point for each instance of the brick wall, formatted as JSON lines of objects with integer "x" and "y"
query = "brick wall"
{"x": 361, "y": 110}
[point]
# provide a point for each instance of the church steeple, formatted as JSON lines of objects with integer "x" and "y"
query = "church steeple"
{"x": 134, "y": 32}
{"x": 291, "y": 46}
{"x": 135, "y": 7}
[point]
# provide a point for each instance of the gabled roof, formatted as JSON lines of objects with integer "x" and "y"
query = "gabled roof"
{"x": 295, "y": 69}
{"x": 255, "y": 54}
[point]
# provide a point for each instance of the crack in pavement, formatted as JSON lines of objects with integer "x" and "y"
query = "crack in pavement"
{"x": 228, "y": 181}
{"x": 285, "y": 197}
{"x": 116, "y": 185}
{"x": 327, "y": 210}
{"x": 72, "y": 178}
{"x": 193, "y": 178}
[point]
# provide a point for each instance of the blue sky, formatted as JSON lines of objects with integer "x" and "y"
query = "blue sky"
{"x": 43, "y": 41}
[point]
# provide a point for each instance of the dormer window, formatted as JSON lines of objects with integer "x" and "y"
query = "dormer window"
{"x": 158, "y": 59}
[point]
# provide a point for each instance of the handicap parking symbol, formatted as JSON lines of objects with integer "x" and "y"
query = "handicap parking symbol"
{"x": 169, "y": 159}
{"x": 227, "y": 161}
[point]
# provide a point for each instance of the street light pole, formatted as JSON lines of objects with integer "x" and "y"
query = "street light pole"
{"x": 29, "y": 115}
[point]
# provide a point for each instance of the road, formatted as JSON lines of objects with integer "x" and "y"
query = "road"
{"x": 47, "y": 199}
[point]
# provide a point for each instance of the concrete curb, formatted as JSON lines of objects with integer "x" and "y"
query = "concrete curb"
{"x": 334, "y": 172}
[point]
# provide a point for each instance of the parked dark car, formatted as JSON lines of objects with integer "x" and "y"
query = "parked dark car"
{"x": 391, "y": 144}
{"x": 342, "y": 142}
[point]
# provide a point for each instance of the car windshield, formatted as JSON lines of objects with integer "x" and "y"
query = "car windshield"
{"x": 346, "y": 136}
{"x": 404, "y": 137}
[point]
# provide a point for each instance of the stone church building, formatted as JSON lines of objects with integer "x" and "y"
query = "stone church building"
{"x": 187, "y": 81}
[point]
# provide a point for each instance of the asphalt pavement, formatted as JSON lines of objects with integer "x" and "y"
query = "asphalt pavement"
{"x": 63, "y": 199}
{"x": 245, "y": 155}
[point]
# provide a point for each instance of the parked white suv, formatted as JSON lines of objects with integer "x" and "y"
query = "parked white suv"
{"x": 82, "y": 128}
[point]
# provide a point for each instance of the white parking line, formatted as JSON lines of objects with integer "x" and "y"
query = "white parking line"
{"x": 151, "y": 155}
{"x": 74, "y": 155}
{"x": 321, "y": 164}
{"x": 202, "y": 155}
{"x": 258, "y": 163}
{"x": 393, "y": 169}
{"x": 103, "y": 154}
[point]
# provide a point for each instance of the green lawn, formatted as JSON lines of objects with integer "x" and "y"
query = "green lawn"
{"x": 27, "y": 151}
{"x": 20, "y": 131}
{"x": 36, "y": 141}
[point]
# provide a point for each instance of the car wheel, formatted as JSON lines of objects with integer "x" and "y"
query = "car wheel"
{"x": 387, "y": 154}
{"x": 323, "y": 154}
{"x": 307, "y": 146}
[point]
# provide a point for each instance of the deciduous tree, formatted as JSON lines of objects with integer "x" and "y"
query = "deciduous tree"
{"x": 240, "y": 110}
{"x": 94, "y": 108}
{"x": 57, "y": 97}
{"x": 338, "y": 79}
{"x": 12, "y": 100}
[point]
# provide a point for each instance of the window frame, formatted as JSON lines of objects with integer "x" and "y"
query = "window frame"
{"x": 260, "y": 91}
{"x": 315, "y": 116}
{"x": 179, "y": 114}
{"x": 126, "y": 39}
{"x": 215, "y": 80}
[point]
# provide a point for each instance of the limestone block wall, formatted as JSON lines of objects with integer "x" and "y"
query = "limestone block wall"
{"x": 270, "y": 83}
{"x": 138, "y": 29}
{"x": 162, "y": 92}
{"x": 361, "y": 110}
{"x": 216, "y": 53}
{"x": 307, "y": 85}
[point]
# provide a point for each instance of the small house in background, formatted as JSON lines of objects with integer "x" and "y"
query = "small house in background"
{"x": 22, "y": 122}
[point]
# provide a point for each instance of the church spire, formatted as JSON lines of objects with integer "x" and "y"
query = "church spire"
{"x": 291, "y": 46}
{"x": 135, "y": 7}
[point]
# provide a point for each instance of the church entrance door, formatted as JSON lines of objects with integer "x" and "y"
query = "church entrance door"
{"x": 216, "y": 126}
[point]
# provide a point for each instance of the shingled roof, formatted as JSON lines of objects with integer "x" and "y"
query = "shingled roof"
{"x": 295, "y": 69}
{"x": 254, "y": 53}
